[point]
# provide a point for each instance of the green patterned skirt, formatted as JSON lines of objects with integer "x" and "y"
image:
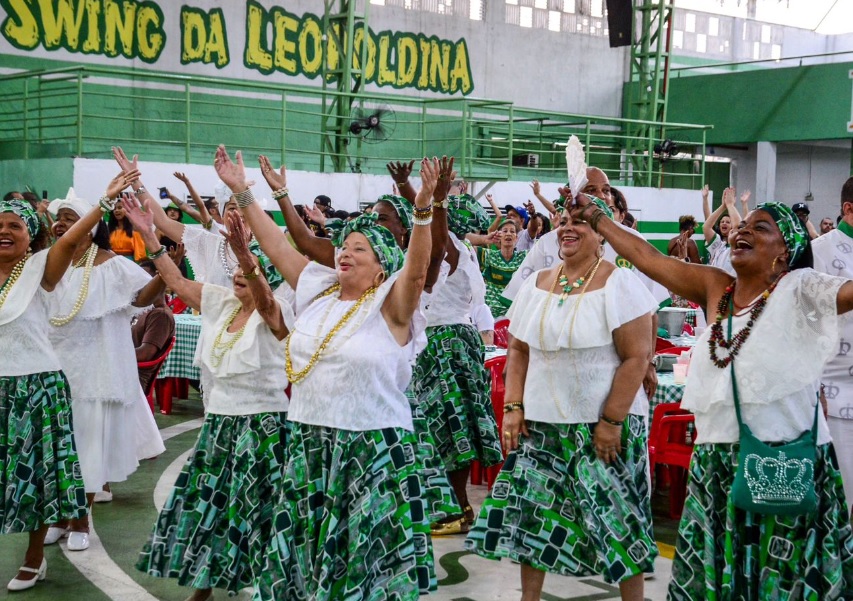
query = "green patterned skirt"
{"x": 556, "y": 507}
{"x": 350, "y": 523}
{"x": 214, "y": 528}
{"x": 437, "y": 494}
{"x": 454, "y": 392}
{"x": 39, "y": 471}
{"x": 726, "y": 554}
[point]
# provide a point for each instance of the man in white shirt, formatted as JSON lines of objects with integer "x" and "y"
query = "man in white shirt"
{"x": 833, "y": 254}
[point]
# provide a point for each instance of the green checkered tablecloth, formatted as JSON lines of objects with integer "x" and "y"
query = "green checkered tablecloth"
{"x": 667, "y": 391}
{"x": 179, "y": 363}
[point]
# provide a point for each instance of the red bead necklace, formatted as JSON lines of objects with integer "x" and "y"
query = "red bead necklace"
{"x": 726, "y": 304}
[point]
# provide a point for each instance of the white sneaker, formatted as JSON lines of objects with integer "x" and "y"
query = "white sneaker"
{"x": 55, "y": 533}
{"x": 103, "y": 496}
{"x": 21, "y": 585}
{"x": 78, "y": 541}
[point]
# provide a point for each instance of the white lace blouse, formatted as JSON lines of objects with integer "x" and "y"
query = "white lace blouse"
{"x": 777, "y": 367}
{"x": 568, "y": 380}
{"x": 24, "y": 324}
{"x": 360, "y": 381}
{"x": 250, "y": 378}
{"x": 96, "y": 347}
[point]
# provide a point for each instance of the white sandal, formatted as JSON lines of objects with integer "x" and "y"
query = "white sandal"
{"x": 16, "y": 584}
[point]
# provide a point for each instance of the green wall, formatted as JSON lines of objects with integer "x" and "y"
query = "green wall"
{"x": 774, "y": 105}
{"x": 53, "y": 175}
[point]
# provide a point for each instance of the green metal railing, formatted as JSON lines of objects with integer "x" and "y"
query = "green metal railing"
{"x": 83, "y": 110}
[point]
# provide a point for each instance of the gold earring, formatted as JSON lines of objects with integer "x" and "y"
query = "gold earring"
{"x": 600, "y": 252}
{"x": 773, "y": 265}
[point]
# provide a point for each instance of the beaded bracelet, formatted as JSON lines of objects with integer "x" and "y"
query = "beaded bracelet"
{"x": 107, "y": 204}
{"x": 510, "y": 407}
{"x": 612, "y": 422}
{"x": 280, "y": 193}
{"x": 596, "y": 217}
{"x": 244, "y": 198}
{"x": 209, "y": 225}
{"x": 426, "y": 221}
{"x": 422, "y": 213}
{"x": 156, "y": 254}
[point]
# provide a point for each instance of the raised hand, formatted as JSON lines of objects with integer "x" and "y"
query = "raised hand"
{"x": 555, "y": 220}
{"x": 122, "y": 160}
{"x": 446, "y": 175}
{"x": 706, "y": 190}
{"x": 181, "y": 177}
{"x": 400, "y": 171}
{"x": 491, "y": 200}
{"x": 139, "y": 214}
{"x": 316, "y": 215}
{"x": 232, "y": 173}
{"x": 566, "y": 192}
{"x": 744, "y": 198}
{"x": 430, "y": 169}
{"x": 275, "y": 179}
{"x": 535, "y": 186}
{"x": 177, "y": 254}
{"x": 120, "y": 182}
{"x": 531, "y": 210}
{"x": 463, "y": 187}
{"x": 729, "y": 197}
{"x": 238, "y": 237}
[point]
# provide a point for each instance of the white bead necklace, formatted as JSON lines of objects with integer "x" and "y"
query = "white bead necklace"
{"x": 17, "y": 270}
{"x": 88, "y": 261}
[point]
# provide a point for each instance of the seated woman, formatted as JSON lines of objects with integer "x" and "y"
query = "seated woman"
{"x": 214, "y": 528}
{"x": 152, "y": 331}
{"x": 573, "y": 496}
{"x": 345, "y": 527}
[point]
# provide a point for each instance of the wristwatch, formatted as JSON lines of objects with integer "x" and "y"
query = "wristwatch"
{"x": 253, "y": 275}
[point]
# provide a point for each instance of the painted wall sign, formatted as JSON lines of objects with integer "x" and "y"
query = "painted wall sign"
{"x": 273, "y": 40}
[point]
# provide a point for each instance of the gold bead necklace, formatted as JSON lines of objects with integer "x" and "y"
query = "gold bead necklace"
{"x": 87, "y": 261}
{"x": 17, "y": 270}
{"x": 220, "y": 349}
{"x": 294, "y": 377}
{"x": 545, "y": 309}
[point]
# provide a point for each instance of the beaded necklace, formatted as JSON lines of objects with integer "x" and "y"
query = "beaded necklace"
{"x": 87, "y": 261}
{"x": 569, "y": 287}
{"x": 545, "y": 309}
{"x": 220, "y": 349}
{"x": 726, "y": 304}
{"x": 223, "y": 258}
{"x": 17, "y": 270}
{"x": 293, "y": 376}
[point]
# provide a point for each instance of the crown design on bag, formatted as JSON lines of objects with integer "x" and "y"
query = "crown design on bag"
{"x": 778, "y": 480}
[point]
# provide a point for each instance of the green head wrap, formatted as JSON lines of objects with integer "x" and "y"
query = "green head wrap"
{"x": 381, "y": 239}
{"x": 403, "y": 208}
{"x": 601, "y": 205}
{"x": 26, "y": 212}
{"x": 793, "y": 231}
{"x": 465, "y": 215}
{"x": 274, "y": 278}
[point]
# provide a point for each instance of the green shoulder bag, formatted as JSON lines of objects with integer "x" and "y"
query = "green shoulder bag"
{"x": 775, "y": 480}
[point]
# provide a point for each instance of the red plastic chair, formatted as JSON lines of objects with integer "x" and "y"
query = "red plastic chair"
{"x": 671, "y": 444}
{"x": 502, "y": 332}
{"x": 157, "y": 363}
{"x": 496, "y": 368}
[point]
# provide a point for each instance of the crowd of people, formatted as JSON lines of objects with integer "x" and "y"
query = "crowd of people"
{"x": 333, "y": 490}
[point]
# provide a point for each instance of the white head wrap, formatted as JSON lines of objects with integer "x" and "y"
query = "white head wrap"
{"x": 74, "y": 203}
{"x": 222, "y": 194}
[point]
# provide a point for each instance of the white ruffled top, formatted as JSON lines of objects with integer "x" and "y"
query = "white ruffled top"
{"x": 24, "y": 324}
{"x": 251, "y": 378}
{"x": 777, "y": 367}
{"x": 456, "y": 294}
{"x": 569, "y": 385}
{"x": 96, "y": 347}
{"x": 359, "y": 383}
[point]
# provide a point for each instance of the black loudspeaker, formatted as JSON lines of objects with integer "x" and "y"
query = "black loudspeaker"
{"x": 619, "y": 15}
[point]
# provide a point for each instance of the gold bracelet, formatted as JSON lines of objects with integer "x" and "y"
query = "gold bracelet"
{"x": 422, "y": 213}
{"x": 510, "y": 407}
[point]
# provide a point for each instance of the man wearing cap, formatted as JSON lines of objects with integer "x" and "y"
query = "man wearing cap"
{"x": 833, "y": 254}
{"x": 802, "y": 211}
{"x": 324, "y": 204}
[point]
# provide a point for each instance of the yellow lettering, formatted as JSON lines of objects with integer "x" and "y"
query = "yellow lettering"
{"x": 193, "y": 36}
{"x": 439, "y": 67}
{"x": 285, "y": 48}
{"x": 359, "y": 38}
{"x": 256, "y": 56}
{"x": 333, "y": 55}
{"x": 460, "y": 76}
{"x": 118, "y": 21}
{"x": 407, "y": 60}
{"x": 217, "y": 42}
{"x": 149, "y": 33}
{"x": 423, "y": 76}
{"x": 310, "y": 46}
{"x": 93, "y": 30}
{"x": 20, "y": 26}
{"x": 386, "y": 75}
{"x": 65, "y": 22}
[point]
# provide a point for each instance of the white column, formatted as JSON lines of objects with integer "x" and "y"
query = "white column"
{"x": 765, "y": 172}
